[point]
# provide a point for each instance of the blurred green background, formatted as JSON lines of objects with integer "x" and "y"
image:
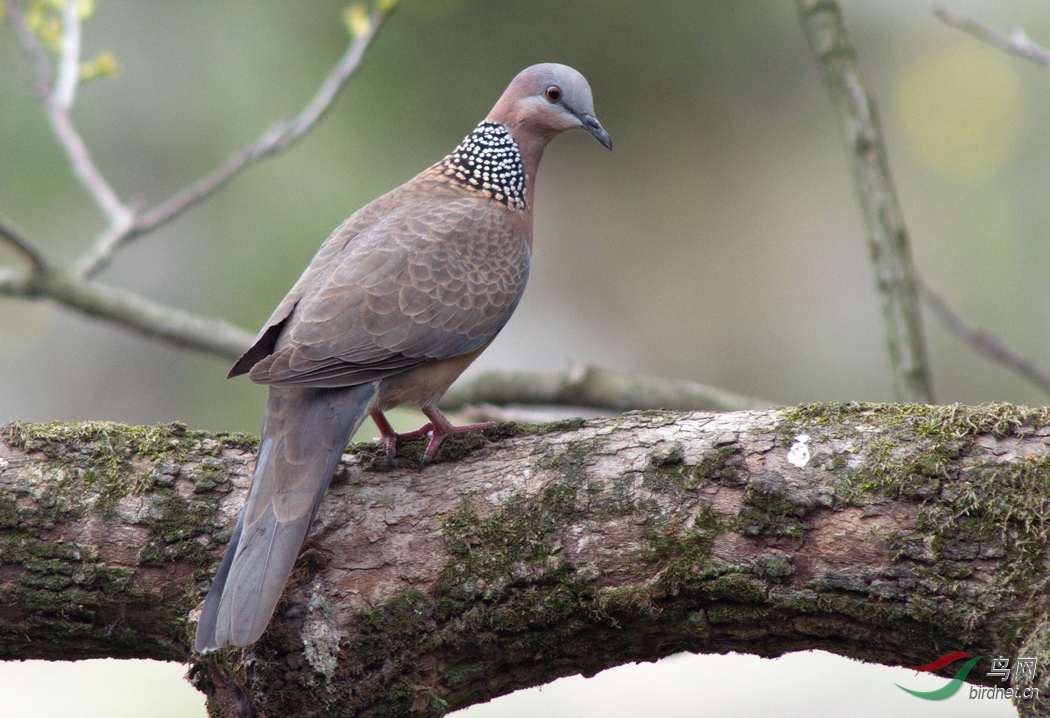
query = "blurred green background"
{"x": 719, "y": 242}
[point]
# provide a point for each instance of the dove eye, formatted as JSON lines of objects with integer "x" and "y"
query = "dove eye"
{"x": 552, "y": 93}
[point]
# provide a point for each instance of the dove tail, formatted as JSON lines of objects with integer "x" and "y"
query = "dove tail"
{"x": 304, "y": 436}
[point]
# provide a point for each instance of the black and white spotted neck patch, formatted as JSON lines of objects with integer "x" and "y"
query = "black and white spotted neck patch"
{"x": 489, "y": 161}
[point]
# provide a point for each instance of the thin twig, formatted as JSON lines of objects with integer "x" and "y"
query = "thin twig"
{"x": 17, "y": 240}
{"x": 887, "y": 236}
{"x": 1017, "y": 42}
{"x": 982, "y": 341}
{"x": 91, "y": 178}
{"x": 76, "y": 290}
{"x": 118, "y": 215}
{"x": 69, "y": 62}
{"x": 274, "y": 140}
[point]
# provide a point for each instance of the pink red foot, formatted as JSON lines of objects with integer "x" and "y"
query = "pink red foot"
{"x": 390, "y": 438}
{"x": 438, "y": 429}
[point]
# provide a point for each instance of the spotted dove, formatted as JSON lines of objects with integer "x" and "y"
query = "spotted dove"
{"x": 398, "y": 301}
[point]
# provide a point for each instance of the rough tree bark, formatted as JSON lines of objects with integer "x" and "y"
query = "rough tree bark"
{"x": 887, "y": 533}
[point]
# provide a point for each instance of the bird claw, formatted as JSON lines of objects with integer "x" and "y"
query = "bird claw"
{"x": 436, "y": 431}
{"x": 439, "y": 433}
{"x": 392, "y": 440}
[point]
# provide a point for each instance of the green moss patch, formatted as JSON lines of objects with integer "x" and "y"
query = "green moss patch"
{"x": 87, "y": 471}
{"x": 972, "y": 504}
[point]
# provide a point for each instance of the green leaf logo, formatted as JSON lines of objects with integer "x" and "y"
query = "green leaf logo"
{"x": 950, "y": 688}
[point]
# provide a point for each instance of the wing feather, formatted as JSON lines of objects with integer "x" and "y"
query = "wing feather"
{"x": 427, "y": 281}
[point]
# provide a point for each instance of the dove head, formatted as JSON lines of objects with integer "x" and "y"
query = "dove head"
{"x": 544, "y": 101}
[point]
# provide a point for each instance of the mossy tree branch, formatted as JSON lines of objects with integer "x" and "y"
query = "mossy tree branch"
{"x": 888, "y": 533}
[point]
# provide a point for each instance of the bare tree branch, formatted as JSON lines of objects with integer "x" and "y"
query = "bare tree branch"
{"x": 69, "y": 61}
{"x": 128, "y": 310}
{"x": 982, "y": 341}
{"x": 57, "y": 104}
{"x": 1016, "y": 43}
{"x": 527, "y": 414}
{"x": 590, "y": 386}
{"x": 276, "y": 139}
{"x": 87, "y": 172}
{"x": 24, "y": 247}
{"x": 822, "y": 24}
{"x": 148, "y": 318}
{"x": 77, "y": 290}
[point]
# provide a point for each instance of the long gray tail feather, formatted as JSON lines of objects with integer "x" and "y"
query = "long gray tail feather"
{"x": 303, "y": 438}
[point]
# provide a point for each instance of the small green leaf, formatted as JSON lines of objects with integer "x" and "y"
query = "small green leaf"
{"x": 355, "y": 17}
{"x": 103, "y": 65}
{"x": 85, "y": 9}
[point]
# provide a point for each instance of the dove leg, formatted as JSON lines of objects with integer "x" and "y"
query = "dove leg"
{"x": 437, "y": 430}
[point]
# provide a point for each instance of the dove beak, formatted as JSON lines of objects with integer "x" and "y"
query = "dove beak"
{"x": 595, "y": 129}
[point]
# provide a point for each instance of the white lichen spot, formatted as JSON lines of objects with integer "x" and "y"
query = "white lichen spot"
{"x": 320, "y": 637}
{"x": 798, "y": 454}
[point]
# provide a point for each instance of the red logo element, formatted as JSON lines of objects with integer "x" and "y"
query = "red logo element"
{"x": 943, "y": 661}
